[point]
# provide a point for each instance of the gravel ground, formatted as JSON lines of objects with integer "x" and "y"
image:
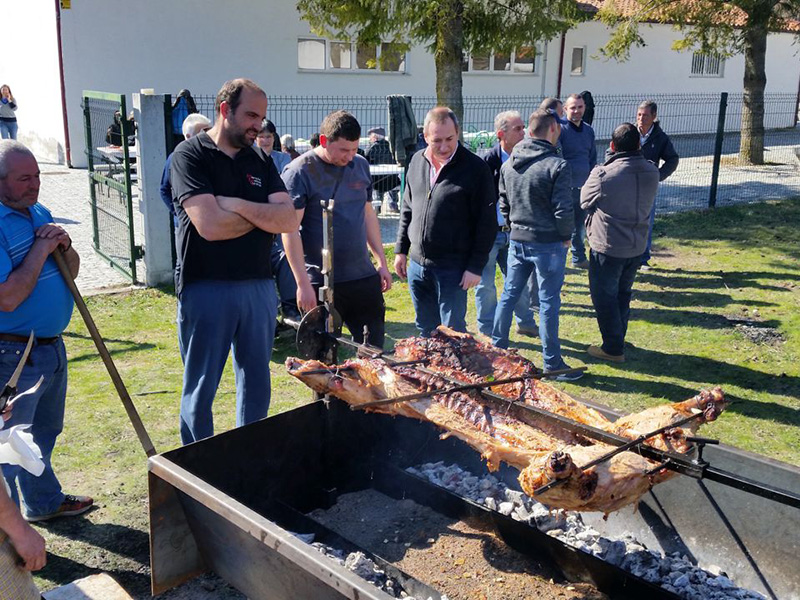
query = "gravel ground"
{"x": 455, "y": 557}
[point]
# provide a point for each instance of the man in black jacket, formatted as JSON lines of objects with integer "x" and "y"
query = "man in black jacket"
{"x": 657, "y": 148}
{"x": 536, "y": 201}
{"x": 447, "y": 225}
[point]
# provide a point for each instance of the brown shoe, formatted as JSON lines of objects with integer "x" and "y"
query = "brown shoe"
{"x": 71, "y": 506}
{"x": 598, "y": 352}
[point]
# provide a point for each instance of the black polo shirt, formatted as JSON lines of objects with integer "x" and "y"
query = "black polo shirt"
{"x": 200, "y": 167}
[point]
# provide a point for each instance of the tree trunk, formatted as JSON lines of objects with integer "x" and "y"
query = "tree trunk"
{"x": 751, "y": 148}
{"x": 448, "y": 56}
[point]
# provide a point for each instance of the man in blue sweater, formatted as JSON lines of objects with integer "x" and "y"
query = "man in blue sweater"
{"x": 510, "y": 130}
{"x": 578, "y": 149}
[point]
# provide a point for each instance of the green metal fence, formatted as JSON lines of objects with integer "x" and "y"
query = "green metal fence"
{"x": 111, "y": 161}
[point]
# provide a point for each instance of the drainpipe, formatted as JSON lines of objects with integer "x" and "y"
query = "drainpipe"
{"x": 561, "y": 64}
{"x": 544, "y": 68}
{"x": 67, "y": 150}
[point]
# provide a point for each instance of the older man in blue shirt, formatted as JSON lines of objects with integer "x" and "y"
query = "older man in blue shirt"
{"x": 34, "y": 297}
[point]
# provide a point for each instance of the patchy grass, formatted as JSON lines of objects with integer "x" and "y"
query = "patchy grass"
{"x": 712, "y": 271}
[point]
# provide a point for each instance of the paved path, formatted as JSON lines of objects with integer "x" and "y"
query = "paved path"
{"x": 65, "y": 192}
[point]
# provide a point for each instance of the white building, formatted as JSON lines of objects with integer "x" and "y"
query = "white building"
{"x": 62, "y": 48}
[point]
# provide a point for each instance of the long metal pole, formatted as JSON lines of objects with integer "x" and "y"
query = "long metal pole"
{"x": 133, "y": 414}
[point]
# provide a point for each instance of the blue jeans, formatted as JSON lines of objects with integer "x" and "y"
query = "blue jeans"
{"x": 549, "y": 260}
{"x": 214, "y": 316}
{"x": 284, "y": 279}
{"x": 8, "y": 130}
{"x": 646, "y": 255}
{"x": 486, "y": 293}
{"x": 45, "y": 412}
{"x": 577, "y": 247}
{"x": 437, "y": 296}
{"x": 611, "y": 285}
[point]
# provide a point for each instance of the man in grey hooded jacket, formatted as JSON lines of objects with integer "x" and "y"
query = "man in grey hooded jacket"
{"x": 618, "y": 197}
{"x": 535, "y": 201}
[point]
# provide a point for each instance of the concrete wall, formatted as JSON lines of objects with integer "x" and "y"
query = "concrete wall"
{"x": 120, "y": 46}
{"x": 656, "y": 68}
{"x": 29, "y": 65}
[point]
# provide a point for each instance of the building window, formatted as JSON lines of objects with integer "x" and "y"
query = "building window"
{"x": 522, "y": 60}
{"x": 525, "y": 60}
{"x": 327, "y": 55}
{"x": 339, "y": 55}
{"x": 393, "y": 59}
{"x": 366, "y": 56}
{"x": 577, "y": 67}
{"x": 707, "y": 65}
{"x": 311, "y": 54}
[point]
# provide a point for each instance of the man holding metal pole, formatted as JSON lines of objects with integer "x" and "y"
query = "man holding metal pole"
{"x": 230, "y": 204}
{"x": 333, "y": 171}
{"x": 34, "y": 297}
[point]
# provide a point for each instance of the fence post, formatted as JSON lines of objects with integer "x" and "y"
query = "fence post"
{"x": 723, "y": 106}
{"x": 149, "y": 113}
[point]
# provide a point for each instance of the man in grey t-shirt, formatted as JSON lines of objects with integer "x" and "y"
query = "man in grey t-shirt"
{"x": 334, "y": 170}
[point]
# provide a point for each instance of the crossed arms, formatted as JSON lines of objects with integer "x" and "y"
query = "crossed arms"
{"x": 219, "y": 218}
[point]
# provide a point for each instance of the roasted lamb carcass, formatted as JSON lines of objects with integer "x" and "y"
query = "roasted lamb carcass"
{"x": 624, "y": 479}
{"x": 541, "y": 453}
{"x": 497, "y": 437}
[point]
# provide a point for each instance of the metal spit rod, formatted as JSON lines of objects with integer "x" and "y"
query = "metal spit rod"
{"x": 462, "y": 388}
{"x": 529, "y": 414}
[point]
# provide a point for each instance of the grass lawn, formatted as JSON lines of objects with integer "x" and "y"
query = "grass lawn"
{"x": 712, "y": 271}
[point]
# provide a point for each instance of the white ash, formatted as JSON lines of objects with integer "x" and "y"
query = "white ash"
{"x": 673, "y": 572}
{"x": 358, "y": 563}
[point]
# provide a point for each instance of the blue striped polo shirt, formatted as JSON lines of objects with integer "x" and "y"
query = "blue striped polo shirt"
{"x": 47, "y": 310}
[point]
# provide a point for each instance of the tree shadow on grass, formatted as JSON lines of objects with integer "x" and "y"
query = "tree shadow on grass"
{"x": 128, "y": 346}
{"x": 625, "y": 385}
{"x": 706, "y": 372}
{"x": 671, "y": 298}
{"x": 667, "y": 278}
{"x": 62, "y": 571}
{"x": 679, "y": 318}
{"x": 117, "y": 539}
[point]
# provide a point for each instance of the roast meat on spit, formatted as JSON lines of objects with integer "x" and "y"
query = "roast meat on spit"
{"x": 543, "y": 453}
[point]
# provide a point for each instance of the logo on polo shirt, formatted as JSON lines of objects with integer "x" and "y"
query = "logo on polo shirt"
{"x": 256, "y": 181}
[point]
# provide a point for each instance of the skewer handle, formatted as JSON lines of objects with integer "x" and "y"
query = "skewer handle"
{"x": 122, "y": 391}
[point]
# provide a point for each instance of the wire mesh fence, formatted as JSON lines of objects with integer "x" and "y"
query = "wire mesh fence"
{"x": 108, "y": 133}
{"x": 691, "y": 121}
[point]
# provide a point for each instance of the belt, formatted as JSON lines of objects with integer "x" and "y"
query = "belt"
{"x": 23, "y": 339}
{"x": 504, "y": 228}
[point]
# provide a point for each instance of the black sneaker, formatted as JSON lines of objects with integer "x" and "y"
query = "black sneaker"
{"x": 574, "y": 376}
{"x": 528, "y": 331}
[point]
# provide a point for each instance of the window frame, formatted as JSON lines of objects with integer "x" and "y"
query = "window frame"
{"x": 583, "y": 61}
{"x": 490, "y": 70}
{"x": 705, "y": 59}
{"x": 353, "y": 68}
